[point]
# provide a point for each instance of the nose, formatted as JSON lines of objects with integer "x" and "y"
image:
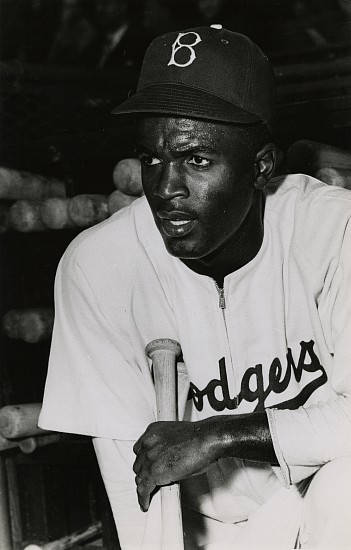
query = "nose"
{"x": 171, "y": 183}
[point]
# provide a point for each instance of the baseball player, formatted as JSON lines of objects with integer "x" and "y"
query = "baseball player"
{"x": 251, "y": 275}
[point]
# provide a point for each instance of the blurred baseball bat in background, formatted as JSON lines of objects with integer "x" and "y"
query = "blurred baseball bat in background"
{"x": 127, "y": 177}
{"x": 308, "y": 157}
{"x": 15, "y": 184}
{"x": 32, "y": 325}
{"x": 86, "y": 210}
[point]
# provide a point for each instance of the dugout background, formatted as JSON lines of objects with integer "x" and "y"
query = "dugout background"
{"x": 55, "y": 121}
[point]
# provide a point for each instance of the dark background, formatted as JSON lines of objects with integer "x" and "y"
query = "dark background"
{"x": 55, "y": 121}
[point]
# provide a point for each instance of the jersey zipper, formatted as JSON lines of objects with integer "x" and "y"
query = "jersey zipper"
{"x": 222, "y": 305}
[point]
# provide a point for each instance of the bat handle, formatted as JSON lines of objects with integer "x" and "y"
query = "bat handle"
{"x": 163, "y": 353}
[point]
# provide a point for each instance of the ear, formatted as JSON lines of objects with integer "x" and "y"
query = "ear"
{"x": 265, "y": 162}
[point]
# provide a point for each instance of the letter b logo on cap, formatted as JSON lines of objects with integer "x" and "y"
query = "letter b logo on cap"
{"x": 181, "y": 46}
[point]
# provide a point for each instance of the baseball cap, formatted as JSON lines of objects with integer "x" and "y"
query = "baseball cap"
{"x": 207, "y": 73}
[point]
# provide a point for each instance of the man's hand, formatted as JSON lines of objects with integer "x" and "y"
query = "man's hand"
{"x": 171, "y": 451}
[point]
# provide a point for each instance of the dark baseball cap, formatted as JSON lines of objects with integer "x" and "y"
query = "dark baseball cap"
{"x": 207, "y": 73}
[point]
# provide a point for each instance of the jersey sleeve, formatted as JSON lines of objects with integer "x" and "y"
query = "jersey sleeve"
{"x": 310, "y": 436}
{"x": 96, "y": 384}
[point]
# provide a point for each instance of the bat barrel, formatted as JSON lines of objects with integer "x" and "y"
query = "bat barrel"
{"x": 309, "y": 156}
{"x": 20, "y": 420}
{"x": 24, "y": 216}
{"x": 86, "y": 210}
{"x": 118, "y": 200}
{"x": 69, "y": 541}
{"x": 127, "y": 177}
{"x": 15, "y": 185}
{"x": 54, "y": 213}
{"x": 29, "y": 324}
{"x": 335, "y": 176}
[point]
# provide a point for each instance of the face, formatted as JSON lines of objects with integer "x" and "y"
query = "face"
{"x": 198, "y": 180}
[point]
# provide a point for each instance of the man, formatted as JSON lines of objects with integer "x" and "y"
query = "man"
{"x": 252, "y": 277}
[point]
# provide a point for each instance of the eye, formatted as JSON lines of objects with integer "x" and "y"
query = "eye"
{"x": 149, "y": 160}
{"x": 200, "y": 162}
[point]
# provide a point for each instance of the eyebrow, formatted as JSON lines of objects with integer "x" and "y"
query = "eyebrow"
{"x": 197, "y": 149}
{"x": 182, "y": 151}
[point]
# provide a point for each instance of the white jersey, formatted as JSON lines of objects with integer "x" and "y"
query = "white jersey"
{"x": 277, "y": 338}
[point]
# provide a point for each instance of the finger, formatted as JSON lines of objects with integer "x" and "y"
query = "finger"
{"x": 143, "y": 462}
{"x": 147, "y": 443}
{"x": 137, "y": 445}
{"x": 144, "y": 490}
{"x": 138, "y": 462}
{"x": 142, "y": 439}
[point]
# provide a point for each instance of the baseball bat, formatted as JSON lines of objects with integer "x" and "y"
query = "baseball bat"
{"x": 334, "y": 176}
{"x": 163, "y": 353}
{"x": 308, "y": 156}
{"x": 5, "y": 521}
{"x": 24, "y": 216}
{"x": 6, "y": 444}
{"x": 54, "y": 213}
{"x": 118, "y": 200}
{"x": 31, "y": 325}
{"x": 16, "y": 184}
{"x": 127, "y": 177}
{"x": 20, "y": 420}
{"x": 87, "y": 210}
{"x": 69, "y": 541}
{"x": 29, "y": 444}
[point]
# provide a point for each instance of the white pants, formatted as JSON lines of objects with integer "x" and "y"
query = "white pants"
{"x": 315, "y": 515}
{"x": 326, "y": 518}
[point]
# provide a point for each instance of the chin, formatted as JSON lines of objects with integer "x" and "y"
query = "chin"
{"x": 182, "y": 250}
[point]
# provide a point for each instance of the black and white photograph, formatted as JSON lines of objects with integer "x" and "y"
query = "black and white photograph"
{"x": 175, "y": 290}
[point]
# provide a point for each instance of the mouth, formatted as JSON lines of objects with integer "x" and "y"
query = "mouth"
{"x": 175, "y": 224}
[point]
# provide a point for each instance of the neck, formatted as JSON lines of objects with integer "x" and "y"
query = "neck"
{"x": 236, "y": 252}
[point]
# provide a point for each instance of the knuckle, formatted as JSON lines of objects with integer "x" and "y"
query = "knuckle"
{"x": 150, "y": 455}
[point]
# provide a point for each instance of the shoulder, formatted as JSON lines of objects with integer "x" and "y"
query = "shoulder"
{"x": 305, "y": 194}
{"x": 312, "y": 214}
{"x": 116, "y": 241}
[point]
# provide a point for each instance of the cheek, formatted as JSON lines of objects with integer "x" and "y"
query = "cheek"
{"x": 148, "y": 183}
{"x": 228, "y": 206}
{"x": 210, "y": 188}
{"x": 216, "y": 196}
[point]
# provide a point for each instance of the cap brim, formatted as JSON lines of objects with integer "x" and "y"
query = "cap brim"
{"x": 180, "y": 100}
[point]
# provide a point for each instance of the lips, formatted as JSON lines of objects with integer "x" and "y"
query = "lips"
{"x": 175, "y": 223}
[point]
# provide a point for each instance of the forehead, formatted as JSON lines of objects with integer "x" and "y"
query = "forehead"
{"x": 177, "y": 131}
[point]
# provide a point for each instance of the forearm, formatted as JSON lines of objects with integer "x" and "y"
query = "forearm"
{"x": 171, "y": 451}
{"x": 321, "y": 433}
{"x": 244, "y": 436}
{"x": 300, "y": 440}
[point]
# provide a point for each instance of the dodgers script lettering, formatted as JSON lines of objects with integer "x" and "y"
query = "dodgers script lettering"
{"x": 253, "y": 388}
